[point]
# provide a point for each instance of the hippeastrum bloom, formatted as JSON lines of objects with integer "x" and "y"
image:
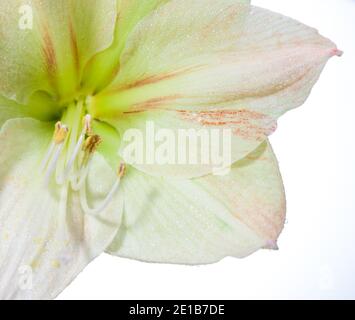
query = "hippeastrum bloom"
{"x": 81, "y": 73}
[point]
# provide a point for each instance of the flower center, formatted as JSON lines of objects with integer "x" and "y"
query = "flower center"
{"x": 67, "y": 161}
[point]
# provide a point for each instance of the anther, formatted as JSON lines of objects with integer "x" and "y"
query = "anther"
{"x": 60, "y": 133}
{"x": 91, "y": 143}
{"x": 121, "y": 170}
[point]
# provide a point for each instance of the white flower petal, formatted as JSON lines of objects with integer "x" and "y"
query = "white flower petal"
{"x": 216, "y": 68}
{"x": 46, "y": 241}
{"x": 202, "y": 220}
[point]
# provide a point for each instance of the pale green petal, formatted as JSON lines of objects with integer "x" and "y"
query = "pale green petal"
{"x": 51, "y": 53}
{"x": 110, "y": 144}
{"x": 202, "y": 220}
{"x": 38, "y": 231}
{"x": 214, "y": 69}
{"x": 105, "y": 65}
{"x": 131, "y": 12}
{"x": 174, "y": 40}
{"x": 10, "y": 109}
{"x": 40, "y": 106}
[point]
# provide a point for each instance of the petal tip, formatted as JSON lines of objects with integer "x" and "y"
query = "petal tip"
{"x": 271, "y": 245}
{"x": 336, "y": 52}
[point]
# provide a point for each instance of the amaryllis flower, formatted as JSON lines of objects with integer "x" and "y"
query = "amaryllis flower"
{"x": 76, "y": 75}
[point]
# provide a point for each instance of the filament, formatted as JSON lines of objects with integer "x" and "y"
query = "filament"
{"x": 51, "y": 159}
{"x": 47, "y": 156}
{"x": 108, "y": 199}
{"x": 53, "y": 163}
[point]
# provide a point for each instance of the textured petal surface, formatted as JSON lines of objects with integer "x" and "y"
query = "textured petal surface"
{"x": 44, "y": 234}
{"x": 219, "y": 68}
{"x": 174, "y": 40}
{"x": 45, "y": 44}
{"x": 202, "y": 220}
{"x": 105, "y": 65}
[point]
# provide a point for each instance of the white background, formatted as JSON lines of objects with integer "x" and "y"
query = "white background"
{"x": 315, "y": 147}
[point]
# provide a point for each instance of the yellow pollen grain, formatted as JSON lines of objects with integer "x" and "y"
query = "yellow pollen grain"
{"x": 35, "y": 264}
{"x": 56, "y": 264}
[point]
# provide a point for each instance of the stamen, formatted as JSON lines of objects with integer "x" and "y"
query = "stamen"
{"x": 53, "y": 163}
{"x": 90, "y": 146}
{"x": 108, "y": 199}
{"x": 121, "y": 170}
{"x": 87, "y": 124}
{"x": 60, "y": 133}
{"x": 87, "y": 129}
{"x": 48, "y": 155}
{"x": 81, "y": 153}
{"x": 53, "y": 154}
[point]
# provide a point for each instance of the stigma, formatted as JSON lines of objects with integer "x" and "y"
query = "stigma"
{"x": 67, "y": 161}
